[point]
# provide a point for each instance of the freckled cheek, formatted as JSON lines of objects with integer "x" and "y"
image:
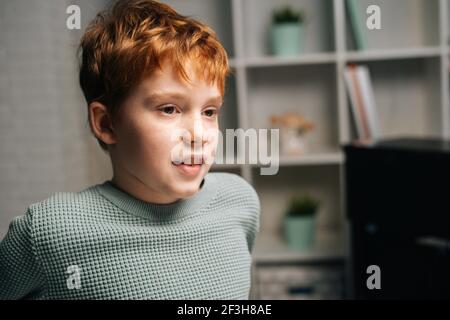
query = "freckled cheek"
{"x": 144, "y": 142}
{"x": 155, "y": 142}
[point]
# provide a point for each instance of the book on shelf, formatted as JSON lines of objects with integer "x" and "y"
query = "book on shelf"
{"x": 362, "y": 100}
{"x": 356, "y": 24}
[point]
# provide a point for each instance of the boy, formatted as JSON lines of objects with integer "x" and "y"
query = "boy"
{"x": 162, "y": 227}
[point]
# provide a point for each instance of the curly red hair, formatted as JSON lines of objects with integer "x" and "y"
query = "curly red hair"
{"x": 125, "y": 43}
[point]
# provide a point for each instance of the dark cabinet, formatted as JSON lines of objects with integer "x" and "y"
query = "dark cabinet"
{"x": 398, "y": 206}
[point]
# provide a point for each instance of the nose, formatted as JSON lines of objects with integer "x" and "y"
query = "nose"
{"x": 193, "y": 128}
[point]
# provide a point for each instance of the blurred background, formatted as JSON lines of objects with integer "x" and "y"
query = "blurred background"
{"x": 359, "y": 90}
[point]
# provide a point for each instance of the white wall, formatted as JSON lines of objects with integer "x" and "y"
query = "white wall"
{"x": 45, "y": 144}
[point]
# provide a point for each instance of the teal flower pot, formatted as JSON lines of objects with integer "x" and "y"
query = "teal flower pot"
{"x": 299, "y": 232}
{"x": 286, "y": 39}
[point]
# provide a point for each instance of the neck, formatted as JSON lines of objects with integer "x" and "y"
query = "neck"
{"x": 132, "y": 185}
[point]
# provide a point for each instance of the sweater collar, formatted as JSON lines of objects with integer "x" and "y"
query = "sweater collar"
{"x": 161, "y": 212}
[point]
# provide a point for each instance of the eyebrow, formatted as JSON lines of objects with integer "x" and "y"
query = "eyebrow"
{"x": 177, "y": 95}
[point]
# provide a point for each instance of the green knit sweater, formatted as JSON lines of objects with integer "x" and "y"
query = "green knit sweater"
{"x": 102, "y": 243}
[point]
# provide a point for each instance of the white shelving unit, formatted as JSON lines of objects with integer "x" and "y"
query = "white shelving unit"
{"x": 408, "y": 61}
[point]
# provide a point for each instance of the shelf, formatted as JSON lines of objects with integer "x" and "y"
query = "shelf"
{"x": 309, "y": 90}
{"x": 273, "y": 249}
{"x": 272, "y": 61}
{"x": 257, "y": 18}
{"x": 407, "y": 94}
{"x": 310, "y": 159}
{"x": 404, "y": 24}
{"x": 321, "y": 182}
{"x": 392, "y": 54}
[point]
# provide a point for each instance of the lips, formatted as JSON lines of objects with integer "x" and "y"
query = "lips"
{"x": 194, "y": 160}
{"x": 186, "y": 164}
{"x": 189, "y": 170}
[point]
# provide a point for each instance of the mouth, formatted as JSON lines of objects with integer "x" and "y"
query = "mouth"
{"x": 197, "y": 160}
{"x": 189, "y": 167}
{"x": 186, "y": 164}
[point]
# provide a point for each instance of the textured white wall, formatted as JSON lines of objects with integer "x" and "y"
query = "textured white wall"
{"x": 45, "y": 144}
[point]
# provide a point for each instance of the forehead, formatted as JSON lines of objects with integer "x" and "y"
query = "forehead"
{"x": 168, "y": 80}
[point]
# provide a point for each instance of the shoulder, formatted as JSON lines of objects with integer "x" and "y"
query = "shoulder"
{"x": 235, "y": 192}
{"x": 238, "y": 197}
{"x": 61, "y": 206}
{"x": 234, "y": 185}
{"x": 63, "y": 200}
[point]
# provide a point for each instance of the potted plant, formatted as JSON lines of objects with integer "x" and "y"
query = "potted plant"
{"x": 286, "y": 32}
{"x": 299, "y": 222}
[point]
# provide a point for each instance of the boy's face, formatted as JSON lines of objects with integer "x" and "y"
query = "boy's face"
{"x": 149, "y": 135}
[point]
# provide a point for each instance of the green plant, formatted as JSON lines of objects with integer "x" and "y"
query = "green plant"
{"x": 304, "y": 205}
{"x": 288, "y": 15}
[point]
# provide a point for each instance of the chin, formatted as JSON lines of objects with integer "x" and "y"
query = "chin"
{"x": 186, "y": 189}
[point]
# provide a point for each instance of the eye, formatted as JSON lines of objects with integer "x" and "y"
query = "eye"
{"x": 168, "y": 109}
{"x": 210, "y": 113}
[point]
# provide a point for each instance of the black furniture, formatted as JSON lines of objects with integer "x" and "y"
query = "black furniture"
{"x": 398, "y": 206}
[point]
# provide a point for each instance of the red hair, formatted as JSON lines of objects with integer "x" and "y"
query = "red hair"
{"x": 125, "y": 43}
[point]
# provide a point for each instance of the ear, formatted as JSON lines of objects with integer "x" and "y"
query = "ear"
{"x": 101, "y": 123}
